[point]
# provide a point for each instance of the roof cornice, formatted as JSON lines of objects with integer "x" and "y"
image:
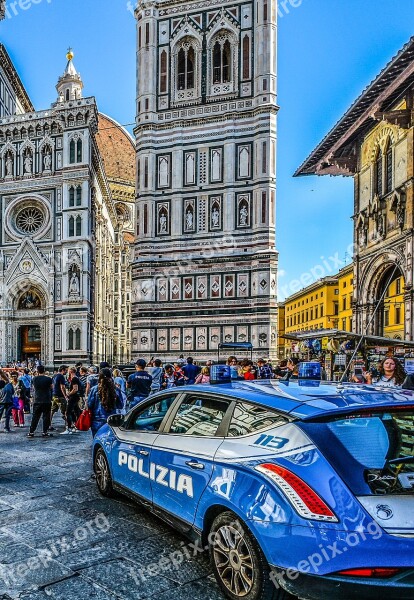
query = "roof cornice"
{"x": 383, "y": 90}
{"x": 15, "y": 81}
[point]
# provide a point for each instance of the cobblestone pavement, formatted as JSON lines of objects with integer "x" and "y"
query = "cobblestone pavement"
{"x": 61, "y": 540}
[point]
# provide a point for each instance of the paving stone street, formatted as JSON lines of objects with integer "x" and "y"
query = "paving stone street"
{"x": 60, "y": 539}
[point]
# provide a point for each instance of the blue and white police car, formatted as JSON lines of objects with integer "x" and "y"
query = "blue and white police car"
{"x": 295, "y": 489}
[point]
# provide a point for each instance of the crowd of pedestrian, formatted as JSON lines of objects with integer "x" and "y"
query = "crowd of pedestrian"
{"x": 105, "y": 391}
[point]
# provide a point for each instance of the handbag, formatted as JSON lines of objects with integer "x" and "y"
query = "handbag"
{"x": 84, "y": 422}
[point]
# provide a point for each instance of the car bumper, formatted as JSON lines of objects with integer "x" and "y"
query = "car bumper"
{"x": 313, "y": 587}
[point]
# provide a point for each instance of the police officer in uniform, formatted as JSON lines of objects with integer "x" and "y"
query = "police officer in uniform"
{"x": 139, "y": 384}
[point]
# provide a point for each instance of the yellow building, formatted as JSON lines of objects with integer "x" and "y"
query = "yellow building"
{"x": 325, "y": 304}
{"x": 345, "y": 293}
{"x": 314, "y": 307}
{"x": 328, "y": 304}
{"x": 393, "y": 310}
{"x": 282, "y": 345}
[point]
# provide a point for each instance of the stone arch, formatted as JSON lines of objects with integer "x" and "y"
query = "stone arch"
{"x": 381, "y": 141}
{"x": 220, "y": 36}
{"x": 24, "y": 286}
{"x": 370, "y": 280}
{"x": 377, "y": 276}
{"x": 185, "y": 41}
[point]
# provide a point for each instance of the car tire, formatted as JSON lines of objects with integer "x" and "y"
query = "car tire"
{"x": 103, "y": 474}
{"x": 239, "y": 565}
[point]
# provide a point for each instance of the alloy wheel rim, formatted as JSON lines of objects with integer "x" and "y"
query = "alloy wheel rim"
{"x": 101, "y": 472}
{"x": 233, "y": 561}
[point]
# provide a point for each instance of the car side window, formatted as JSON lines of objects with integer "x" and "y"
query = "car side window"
{"x": 249, "y": 418}
{"x": 199, "y": 415}
{"x": 151, "y": 417}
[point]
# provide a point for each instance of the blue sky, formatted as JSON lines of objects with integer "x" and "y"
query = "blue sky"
{"x": 329, "y": 50}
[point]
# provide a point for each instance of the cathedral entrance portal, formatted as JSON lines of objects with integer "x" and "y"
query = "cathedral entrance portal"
{"x": 30, "y": 342}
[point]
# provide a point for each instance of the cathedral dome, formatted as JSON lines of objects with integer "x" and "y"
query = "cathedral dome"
{"x": 117, "y": 150}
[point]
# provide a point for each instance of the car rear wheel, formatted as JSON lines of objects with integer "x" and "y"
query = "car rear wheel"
{"x": 238, "y": 563}
{"x": 103, "y": 474}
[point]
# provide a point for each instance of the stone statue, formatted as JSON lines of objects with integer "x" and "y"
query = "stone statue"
{"x": 401, "y": 215}
{"x": 163, "y": 223}
{"x": 189, "y": 219}
{"x": 74, "y": 286}
{"x": 244, "y": 213}
{"x": 9, "y": 165}
{"x": 380, "y": 225}
{"x": 47, "y": 162}
{"x": 363, "y": 236}
{"x": 215, "y": 217}
{"x": 28, "y": 163}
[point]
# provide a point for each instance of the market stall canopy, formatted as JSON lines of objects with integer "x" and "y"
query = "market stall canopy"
{"x": 374, "y": 340}
{"x": 241, "y": 346}
{"x": 236, "y": 346}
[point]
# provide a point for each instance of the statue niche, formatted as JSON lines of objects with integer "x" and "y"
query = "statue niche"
{"x": 74, "y": 282}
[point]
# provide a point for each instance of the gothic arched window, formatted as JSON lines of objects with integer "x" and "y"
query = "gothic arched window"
{"x": 71, "y": 196}
{"x": 78, "y": 335}
{"x": 378, "y": 174}
{"x": 185, "y": 67}
{"x": 79, "y": 151}
{"x": 72, "y": 152}
{"x": 222, "y": 61}
{"x": 70, "y": 339}
{"x": 71, "y": 227}
{"x": 388, "y": 169}
{"x": 78, "y": 226}
{"x": 79, "y": 195}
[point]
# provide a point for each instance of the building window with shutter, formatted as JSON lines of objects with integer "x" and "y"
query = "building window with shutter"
{"x": 388, "y": 163}
{"x": 378, "y": 174}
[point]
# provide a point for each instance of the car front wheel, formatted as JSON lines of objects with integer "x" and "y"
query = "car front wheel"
{"x": 238, "y": 563}
{"x": 103, "y": 474}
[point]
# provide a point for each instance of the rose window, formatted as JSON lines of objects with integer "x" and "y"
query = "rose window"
{"x": 29, "y": 220}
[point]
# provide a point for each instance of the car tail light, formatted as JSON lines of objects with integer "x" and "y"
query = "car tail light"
{"x": 377, "y": 573}
{"x": 304, "y": 500}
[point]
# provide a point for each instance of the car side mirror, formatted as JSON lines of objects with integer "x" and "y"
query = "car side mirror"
{"x": 115, "y": 420}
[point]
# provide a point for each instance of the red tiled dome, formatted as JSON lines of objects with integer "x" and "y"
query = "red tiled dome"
{"x": 117, "y": 150}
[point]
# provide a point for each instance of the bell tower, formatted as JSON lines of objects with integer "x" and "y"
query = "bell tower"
{"x": 205, "y": 268}
{"x": 70, "y": 84}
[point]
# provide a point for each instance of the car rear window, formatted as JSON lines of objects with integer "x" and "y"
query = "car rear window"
{"x": 372, "y": 451}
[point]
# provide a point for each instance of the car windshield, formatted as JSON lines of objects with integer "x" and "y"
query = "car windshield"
{"x": 372, "y": 451}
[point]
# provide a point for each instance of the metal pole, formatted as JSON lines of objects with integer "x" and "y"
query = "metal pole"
{"x": 397, "y": 266}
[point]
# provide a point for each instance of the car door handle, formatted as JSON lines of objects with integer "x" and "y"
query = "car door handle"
{"x": 143, "y": 452}
{"x": 195, "y": 465}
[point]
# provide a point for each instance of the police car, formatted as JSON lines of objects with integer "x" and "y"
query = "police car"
{"x": 294, "y": 489}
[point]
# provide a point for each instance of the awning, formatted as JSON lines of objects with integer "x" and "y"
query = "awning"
{"x": 371, "y": 340}
{"x": 236, "y": 346}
